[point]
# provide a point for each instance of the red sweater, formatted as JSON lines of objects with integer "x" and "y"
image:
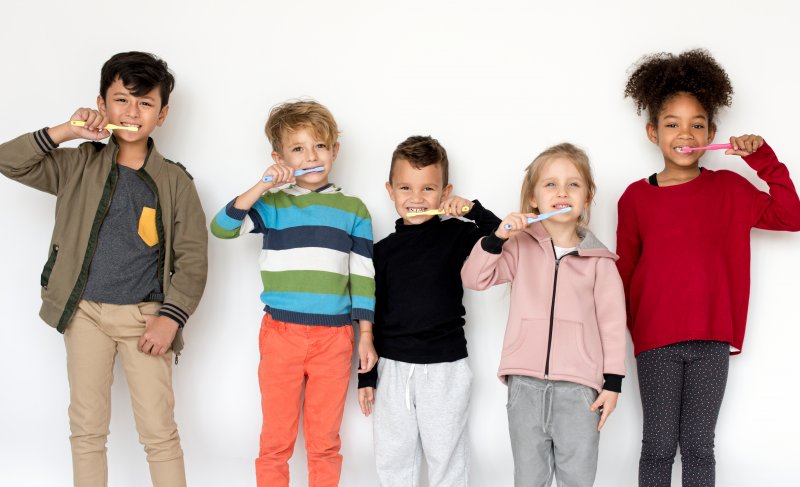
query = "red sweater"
{"x": 684, "y": 251}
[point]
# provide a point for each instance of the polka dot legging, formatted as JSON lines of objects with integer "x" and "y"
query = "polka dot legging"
{"x": 682, "y": 387}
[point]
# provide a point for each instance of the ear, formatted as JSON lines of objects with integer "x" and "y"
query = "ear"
{"x": 447, "y": 190}
{"x": 390, "y": 190}
{"x": 533, "y": 204}
{"x": 162, "y": 115}
{"x": 335, "y": 151}
{"x": 101, "y": 105}
{"x": 277, "y": 157}
{"x": 652, "y": 132}
{"x": 712, "y": 131}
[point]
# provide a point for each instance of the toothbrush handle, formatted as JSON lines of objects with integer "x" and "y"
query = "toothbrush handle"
{"x": 715, "y": 147}
{"x": 299, "y": 172}
{"x": 508, "y": 226}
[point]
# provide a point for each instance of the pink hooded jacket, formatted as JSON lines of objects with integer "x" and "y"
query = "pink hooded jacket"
{"x": 567, "y": 317}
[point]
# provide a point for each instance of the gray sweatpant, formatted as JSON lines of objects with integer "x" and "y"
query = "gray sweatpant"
{"x": 422, "y": 408}
{"x": 552, "y": 432}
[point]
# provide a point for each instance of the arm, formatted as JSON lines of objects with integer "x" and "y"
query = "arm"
{"x": 493, "y": 259}
{"x": 780, "y": 209}
{"x": 29, "y": 159}
{"x": 629, "y": 248}
{"x": 362, "y": 287}
{"x": 189, "y": 269}
{"x": 609, "y": 299}
{"x": 485, "y": 223}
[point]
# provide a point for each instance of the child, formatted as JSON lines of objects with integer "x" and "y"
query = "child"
{"x": 423, "y": 373}
{"x": 316, "y": 266}
{"x": 565, "y": 338}
{"x": 127, "y": 261}
{"x": 684, "y": 244}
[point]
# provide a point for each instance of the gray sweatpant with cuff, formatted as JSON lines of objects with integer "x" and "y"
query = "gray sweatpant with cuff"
{"x": 422, "y": 408}
{"x": 552, "y": 432}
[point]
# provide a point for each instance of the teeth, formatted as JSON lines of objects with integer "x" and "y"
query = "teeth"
{"x": 416, "y": 210}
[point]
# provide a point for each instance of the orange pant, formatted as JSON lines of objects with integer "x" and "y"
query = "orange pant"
{"x": 293, "y": 355}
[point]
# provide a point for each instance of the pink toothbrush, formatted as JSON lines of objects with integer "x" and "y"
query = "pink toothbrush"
{"x": 688, "y": 149}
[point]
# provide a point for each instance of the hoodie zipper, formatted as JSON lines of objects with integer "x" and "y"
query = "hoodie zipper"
{"x": 552, "y": 309}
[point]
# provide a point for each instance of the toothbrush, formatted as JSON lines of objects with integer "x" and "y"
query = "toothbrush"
{"x": 686, "y": 149}
{"x": 543, "y": 216}
{"x": 111, "y": 126}
{"x": 299, "y": 172}
{"x": 464, "y": 209}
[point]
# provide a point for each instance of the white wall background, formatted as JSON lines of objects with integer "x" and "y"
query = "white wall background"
{"x": 496, "y": 84}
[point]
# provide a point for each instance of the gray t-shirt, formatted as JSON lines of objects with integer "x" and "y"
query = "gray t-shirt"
{"x": 124, "y": 268}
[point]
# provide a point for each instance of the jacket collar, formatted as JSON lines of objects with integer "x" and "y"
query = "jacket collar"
{"x": 154, "y": 162}
{"x": 589, "y": 246}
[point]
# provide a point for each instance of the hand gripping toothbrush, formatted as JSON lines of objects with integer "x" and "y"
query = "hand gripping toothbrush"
{"x": 299, "y": 172}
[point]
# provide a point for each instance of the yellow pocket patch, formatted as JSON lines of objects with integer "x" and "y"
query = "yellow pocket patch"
{"x": 147, "y": 226}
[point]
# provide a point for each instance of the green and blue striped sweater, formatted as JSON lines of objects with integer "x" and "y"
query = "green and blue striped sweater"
{"x": 316, "y": 256}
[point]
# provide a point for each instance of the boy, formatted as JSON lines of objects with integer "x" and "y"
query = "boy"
{"x": 419, "y": 323}
{"x": 316, "y": 266}
{"x": 127, "y": 261}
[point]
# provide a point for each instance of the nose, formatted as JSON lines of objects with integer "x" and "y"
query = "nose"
{"x": 133, "y": 110}
{"x": 312, "y": 154}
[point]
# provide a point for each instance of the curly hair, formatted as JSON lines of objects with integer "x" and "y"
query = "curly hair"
{"x": 657, "y": 77}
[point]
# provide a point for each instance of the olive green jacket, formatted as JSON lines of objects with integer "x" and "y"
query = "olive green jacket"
{"x": 83, "y": 181}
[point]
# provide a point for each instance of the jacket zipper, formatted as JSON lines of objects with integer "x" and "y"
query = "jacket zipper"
{"x": 552, "y": 310}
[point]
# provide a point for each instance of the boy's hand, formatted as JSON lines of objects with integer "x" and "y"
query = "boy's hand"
{"x": 366, "y": 398}
{"x": 94, "y": 124}
{"x": 159, "y": 331}
{"x": 607, "y": 401}
{"x": 281, "y": 174}
{"x": 367, "y": 356}
{"x": 744, "y": 145}
{"x": 454, "y": 205}
{"x": 517, "y": 221}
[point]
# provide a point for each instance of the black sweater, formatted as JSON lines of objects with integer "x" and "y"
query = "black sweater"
{"x": 419, "y": 317}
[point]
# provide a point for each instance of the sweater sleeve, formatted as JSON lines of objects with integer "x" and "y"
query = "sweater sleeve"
{"x": 362, "y": 270}
{"x": 486, "y": 222}
{"x": 780, "y": 209}
{"x": 629, "y": 247}
{"x": 609, "y": 302}
{"x": 485, "y": 269}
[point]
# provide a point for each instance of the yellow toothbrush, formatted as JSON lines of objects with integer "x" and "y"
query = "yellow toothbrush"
{"x": 464, "y": 209}
{"x": 111, "y": 126}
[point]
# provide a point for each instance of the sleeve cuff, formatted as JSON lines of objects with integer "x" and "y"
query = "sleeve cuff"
{"x": 492, "y": 243}
{"x": 473, "y": 212}
{"x": 613, "y": 382}
{"x": 368, "y": 379}
{"x": 43, "y": 140}
{"x": 363, "y": 314}
{"x": 171, "y": 311}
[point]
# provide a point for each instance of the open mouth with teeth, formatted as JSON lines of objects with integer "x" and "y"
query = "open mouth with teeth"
{"x": 416, "y": 210}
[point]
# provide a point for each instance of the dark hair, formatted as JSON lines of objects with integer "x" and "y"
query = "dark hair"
{"x": 658, "y": 77}
{"x": 421, "y": 151}
{"x": 140, "y": 72}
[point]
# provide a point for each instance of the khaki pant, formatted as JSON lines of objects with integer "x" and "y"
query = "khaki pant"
{"x": 93, "y": 338}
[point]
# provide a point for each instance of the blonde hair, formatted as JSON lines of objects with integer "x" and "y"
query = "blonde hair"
{"x": 300, "y": 114}
{"x": 568, "y": 151}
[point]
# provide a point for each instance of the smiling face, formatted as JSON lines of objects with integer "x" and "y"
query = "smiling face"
{"x": 416, "y": 190}
{"x": 683, "y": 122}
{"x": 559, "y": 185}
{"x": 122, "y": 108}
{"x": 303, "y": 149}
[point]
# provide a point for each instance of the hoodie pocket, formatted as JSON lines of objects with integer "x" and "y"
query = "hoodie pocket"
{"x": 48, "y": 266}
{"x": 525, "y": 344}
{"x": 575, "y": 350}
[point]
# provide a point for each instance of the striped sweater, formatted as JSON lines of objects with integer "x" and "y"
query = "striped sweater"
{"x": 316, "y": 257}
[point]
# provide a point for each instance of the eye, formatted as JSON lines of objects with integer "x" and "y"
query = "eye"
{"x": 297, "y": 149}
{"x": 429, "y": 188}
{"x": 120, "y": 100}
{"x": 403, "y": 188}
{"x": 322, "y": 146}
{"x": 147, "y": 103}
{"x": 575, "y": 184}
{"x": 698, "y": 126}
{"x": 671, "y": 125}
{"x": 549, "y": 184}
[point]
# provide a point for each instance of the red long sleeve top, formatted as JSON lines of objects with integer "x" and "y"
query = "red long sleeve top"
{"x": 684, "y": 251}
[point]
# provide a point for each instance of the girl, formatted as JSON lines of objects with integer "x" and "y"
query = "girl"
{"x": 684, "y": 243}
{"x": 565, "y": 337}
